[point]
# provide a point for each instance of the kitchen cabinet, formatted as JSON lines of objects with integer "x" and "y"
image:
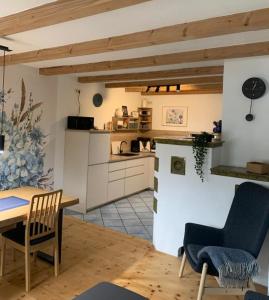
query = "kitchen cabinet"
{"x": 99, "y": 149}
{"x": 97, "y": 185}
{"x": 90, "y": 176}
{"x": 86, "y": 167}
{"x": 134, "y": 184}
{"x": 116, "y": 189}
{"x": 129, "y": 177}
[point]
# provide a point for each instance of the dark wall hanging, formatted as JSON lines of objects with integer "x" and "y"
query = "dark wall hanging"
{"x": 97, "y": 100}
{"x": 253, "y": 88}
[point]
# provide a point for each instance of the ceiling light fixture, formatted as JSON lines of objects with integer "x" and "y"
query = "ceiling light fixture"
{"x": 148, "y": 89}
{"x": 2, "y": 98}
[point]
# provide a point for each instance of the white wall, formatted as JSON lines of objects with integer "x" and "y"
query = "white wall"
{"x": 244, "y": 141}
{"x": 66, "y": 105}
{"x": 59, "y": 100}
{"x": 202, "y": 110}
{"x": 113, "y": 98}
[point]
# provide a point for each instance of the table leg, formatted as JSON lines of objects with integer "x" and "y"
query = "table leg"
{"x": 46, "y": 257}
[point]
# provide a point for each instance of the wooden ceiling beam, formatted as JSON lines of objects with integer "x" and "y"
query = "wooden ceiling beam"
{"x": 58, "y": 12}
{"x": 190, "y": 92}
{"x": 183, "y": 87}
{"x": 235, "y": 51}
{"x": 197, "y": 71}
{"x": 189, "y": 80}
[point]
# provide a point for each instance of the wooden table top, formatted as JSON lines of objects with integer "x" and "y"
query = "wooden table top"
{"x": 14, "y": 215}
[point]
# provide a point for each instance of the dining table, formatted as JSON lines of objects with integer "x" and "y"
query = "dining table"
{"x": 15, "y": 212}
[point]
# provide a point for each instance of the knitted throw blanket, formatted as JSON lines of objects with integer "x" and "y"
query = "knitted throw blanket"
{"x": 235, "y": 266}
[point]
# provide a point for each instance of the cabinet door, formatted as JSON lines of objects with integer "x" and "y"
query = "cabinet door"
{"x": 99, "y": 148}
{"x": 115, "y": 189}
{"x": 134, "y": 184}
{"x": 97, "y": 185}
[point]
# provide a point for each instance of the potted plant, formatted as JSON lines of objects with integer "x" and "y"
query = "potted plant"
{"x": 199, "y": 149}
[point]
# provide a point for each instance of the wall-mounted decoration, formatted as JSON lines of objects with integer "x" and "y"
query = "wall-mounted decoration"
{"x": 178, "y": 165}
{"x": 156, "y": 164}
{"x": 175, "y": 116}
{"x": 156, "y": 184}
{"x": 253, "y": 88}
{"x": 155, "y": 205}
{"x": 22, "y": 163}
{"x": 97, "y": 100}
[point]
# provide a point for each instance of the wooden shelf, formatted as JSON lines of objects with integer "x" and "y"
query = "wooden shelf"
{"x": 145, "y": 118}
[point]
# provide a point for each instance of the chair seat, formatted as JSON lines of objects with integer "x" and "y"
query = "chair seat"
{"x": 18, "y": 235}
{"x": 106, "y": 290}
{"x": 193, "y": 251}
{"x": 255, "y": 296}
{"x": 197, "y": 263}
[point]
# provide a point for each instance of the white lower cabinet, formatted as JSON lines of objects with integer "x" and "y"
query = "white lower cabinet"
{"x": 97, "y": 185}
{"x": 129, "y": 177}
{"x": 115, "y": 189}
{"x": 134, "y": 184}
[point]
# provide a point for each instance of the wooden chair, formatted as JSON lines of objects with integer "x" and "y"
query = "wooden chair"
{"x": 39, "y": 231}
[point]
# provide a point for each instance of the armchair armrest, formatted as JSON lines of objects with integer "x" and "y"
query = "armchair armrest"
{"x": 202, "y": 235}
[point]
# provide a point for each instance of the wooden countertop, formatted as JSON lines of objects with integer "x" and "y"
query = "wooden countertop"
{"x": 117, "y": 158}
{"x": 238, "y": 172}
{"x": 179, "y": 140}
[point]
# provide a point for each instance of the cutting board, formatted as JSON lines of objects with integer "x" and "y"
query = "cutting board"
{"x": 115, "y": 147}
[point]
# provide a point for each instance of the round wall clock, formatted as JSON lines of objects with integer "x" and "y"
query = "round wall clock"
{"x": 254, "y": 88}
{"x": 97, "y": 100}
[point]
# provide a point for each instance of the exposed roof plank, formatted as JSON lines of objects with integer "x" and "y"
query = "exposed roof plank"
{"x": 241, "y": 22}
{"x": 189, "y": 80}
{"x": 212, "y": 70}
{"x": 58, "y": 12}
{"x": 235, "y": 51}
{"x": 189, "y": 92}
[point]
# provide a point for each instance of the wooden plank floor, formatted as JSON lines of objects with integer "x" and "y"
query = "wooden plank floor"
{"x": 92, "y": 254}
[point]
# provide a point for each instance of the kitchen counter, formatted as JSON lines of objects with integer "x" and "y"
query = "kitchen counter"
{"x": 238, "y": 172}
{"x": 179, "y": 140}
{"x": 116, "y": 158}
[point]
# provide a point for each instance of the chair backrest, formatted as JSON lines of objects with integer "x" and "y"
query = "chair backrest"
{"x": 248, "y": 219}
{"x": 43, "y": 215}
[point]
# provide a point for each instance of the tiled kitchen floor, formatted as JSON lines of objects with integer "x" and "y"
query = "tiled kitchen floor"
{"x": 132, "y": 215}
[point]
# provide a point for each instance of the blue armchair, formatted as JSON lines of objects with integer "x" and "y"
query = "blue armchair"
{"x": 245, "y": 228}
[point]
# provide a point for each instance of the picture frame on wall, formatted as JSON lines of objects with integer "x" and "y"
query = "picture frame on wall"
{"x": 175, "y": 116}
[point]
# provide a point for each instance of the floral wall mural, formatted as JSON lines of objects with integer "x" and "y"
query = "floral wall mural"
{"x": 22, "y": 163}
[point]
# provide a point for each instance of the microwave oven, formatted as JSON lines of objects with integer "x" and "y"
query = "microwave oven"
{"x": 80, "y": 123}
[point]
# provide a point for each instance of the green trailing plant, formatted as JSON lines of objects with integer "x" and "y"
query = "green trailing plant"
{"x": 199, "y": 149}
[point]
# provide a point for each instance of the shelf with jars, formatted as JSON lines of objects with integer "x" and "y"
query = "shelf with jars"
{"x": 145, "y": 118}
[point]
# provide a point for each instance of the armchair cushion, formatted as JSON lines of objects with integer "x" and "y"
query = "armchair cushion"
{"x": 202, "y": 235}
{"x": 255, "y": 296}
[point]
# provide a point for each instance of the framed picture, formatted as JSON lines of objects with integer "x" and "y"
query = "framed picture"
{"x": 175, "y": 116}
{"x": 124, "y": 111}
